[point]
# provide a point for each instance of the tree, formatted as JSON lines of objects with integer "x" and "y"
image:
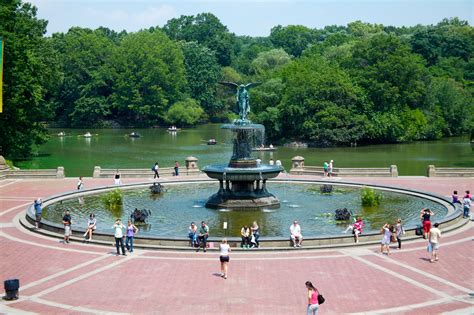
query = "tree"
{"x": 392, "y": 76}
{"x": 83, "y": 97}
{"x": 202, "y": 74}
{"x": 321, "y": 104}
{"x": 184, "y": 113}
{"x": 30, "y": 71}
{"x": 293, "y": 38}
{"x": 269, "y": 60}
{"x": 207, "y": 30}
{"x": 149, "y": 75}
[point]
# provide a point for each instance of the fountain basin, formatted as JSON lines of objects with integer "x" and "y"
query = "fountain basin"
{"x": 224, "y": 172}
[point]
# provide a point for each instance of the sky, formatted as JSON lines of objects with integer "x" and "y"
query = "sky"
{"x": 247, "y": 17}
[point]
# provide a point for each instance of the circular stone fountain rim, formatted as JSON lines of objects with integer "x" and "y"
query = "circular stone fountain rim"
{"x": 452, "y": 214}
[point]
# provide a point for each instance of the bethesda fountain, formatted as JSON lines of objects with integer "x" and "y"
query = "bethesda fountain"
{"x": 243, "y": 181}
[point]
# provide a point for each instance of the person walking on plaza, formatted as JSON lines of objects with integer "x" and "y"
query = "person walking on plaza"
{"x": 203, "y": 235}
{"x": 224, "y": 257}
{"x": 155, "y": 169}
{"x": 326, "y": 168}
{"x": 313, "y": 304}
{"x": 80, "y": 184}
{"x": 330, "y": 168}
{"x": 131, "y": 231}
{"x": 118, "y": 234}
{"x": 91, "y": 226}
{"x": 387, "y": 235}
{"x": 67, "y": 221}
{"x": 426, "y": 218}
{"x": 399, "y": 232}
{"x": 38, "y": 211}
{"x": 176, "y": 168}
{"x": 295, "y": 234}
{"x": 435, "y": 235}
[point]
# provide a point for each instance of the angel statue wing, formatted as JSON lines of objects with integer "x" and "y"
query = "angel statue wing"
{"x": 229, "y": 84}
{"x": 249, "y": 85}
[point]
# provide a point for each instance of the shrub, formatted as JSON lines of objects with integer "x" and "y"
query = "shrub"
{"x": 113, "y": 199}
{"x": 369, "y": 197}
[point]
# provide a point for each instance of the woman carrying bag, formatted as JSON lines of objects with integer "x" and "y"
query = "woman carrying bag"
{"x": 314, "y": 299}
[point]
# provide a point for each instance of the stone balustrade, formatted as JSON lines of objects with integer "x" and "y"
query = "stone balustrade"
{"x": 36, "y": 173}
{"x": 298, "y": 168}
{"x": 191, "y": 168}
{"x": 433, "y": 171}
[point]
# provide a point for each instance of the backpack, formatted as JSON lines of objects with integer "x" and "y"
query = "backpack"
{"x": 321, "y": 299}
{"x": 153, "y": 168}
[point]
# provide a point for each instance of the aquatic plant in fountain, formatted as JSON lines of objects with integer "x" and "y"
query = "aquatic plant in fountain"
{"x": 243, "y": 183}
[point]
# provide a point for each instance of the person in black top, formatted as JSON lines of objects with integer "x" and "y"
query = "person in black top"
{"x": 155, "y": 169}
{"x": 426, "y": 218}
{"x": 67, "y": 226}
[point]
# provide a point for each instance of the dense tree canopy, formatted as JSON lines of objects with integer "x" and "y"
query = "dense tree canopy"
{"x": 30, "y": 74}
{"x": 364, "y": 83}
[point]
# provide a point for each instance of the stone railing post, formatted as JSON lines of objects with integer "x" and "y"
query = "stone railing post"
{"x": 393, "y": 171}
{"x": 97, "y": 171}
{"x": 431, "y": 172}
{"x": 60, "y": 172}
{"x": 297, "y": 162}
{"x": 191, "y": 163}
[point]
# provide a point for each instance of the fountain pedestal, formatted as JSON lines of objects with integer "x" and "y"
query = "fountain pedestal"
{"x": 242, "y": 182}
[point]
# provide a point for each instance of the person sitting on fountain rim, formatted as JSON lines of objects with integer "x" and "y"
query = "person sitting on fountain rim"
{"x": 356, "y": 228}
{"x": 296, "y": 237}
{"x": 203, "y": 235}
{"x": 193, "y": 235}
{"x": 245, "y": 234}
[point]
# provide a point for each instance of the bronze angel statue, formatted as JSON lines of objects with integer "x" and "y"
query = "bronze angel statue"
{"x": 243, "y": 103}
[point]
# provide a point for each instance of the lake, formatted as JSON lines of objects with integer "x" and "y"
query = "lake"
{"x": 113, "y": 148}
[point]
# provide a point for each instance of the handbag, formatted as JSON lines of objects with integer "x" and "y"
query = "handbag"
{"x": 321, "y": 298}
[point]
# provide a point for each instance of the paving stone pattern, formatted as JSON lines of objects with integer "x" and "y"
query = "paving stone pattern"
{"x": 75, "y": 278}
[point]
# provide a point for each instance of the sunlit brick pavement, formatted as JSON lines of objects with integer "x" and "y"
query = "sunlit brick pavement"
{"x": 78, "y": 278}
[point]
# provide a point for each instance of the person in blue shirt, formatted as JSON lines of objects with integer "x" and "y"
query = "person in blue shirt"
{"x": 38, "y": 212}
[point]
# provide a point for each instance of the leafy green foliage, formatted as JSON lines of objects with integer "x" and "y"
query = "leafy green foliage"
{"x": 292, "y": 38}
{"x": 113, "y": 199}
{"x": 149, "y": 75}
{"x": 30, "y": 72}
{"x": 369, "y": 197}
{"x": 207, "y": 30}
{"x": 202, "y": 74}
{"x": 360, "y": 83}
{"x": 184, "y": 113}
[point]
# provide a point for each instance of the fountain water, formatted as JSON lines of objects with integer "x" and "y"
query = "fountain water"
{"x": 242, "y": 183}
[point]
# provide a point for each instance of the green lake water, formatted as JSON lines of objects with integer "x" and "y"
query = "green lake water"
{"x": 112, "y": 148}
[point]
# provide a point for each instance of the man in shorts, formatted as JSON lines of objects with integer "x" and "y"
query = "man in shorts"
{"x": 67, "y": 226}
{"x": 435, "y": 235}
{"x": 295, "y": 234}
{"x": 203, "y": 235}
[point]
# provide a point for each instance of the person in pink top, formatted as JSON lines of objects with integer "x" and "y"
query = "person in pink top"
{"x": 313, "y": 305}
{"x": 356, "y": 228}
